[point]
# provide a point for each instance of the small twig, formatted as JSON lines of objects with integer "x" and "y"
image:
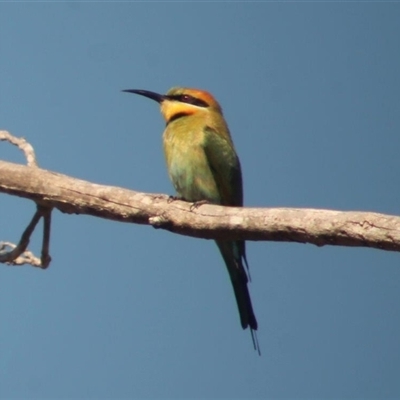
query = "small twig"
{"x": 45, "y": 257}
{"x": 17, "y": 250}
{"x": 27, "y": 257}
{"x": 23, "y": 145}
{"x": 18, "y": 255}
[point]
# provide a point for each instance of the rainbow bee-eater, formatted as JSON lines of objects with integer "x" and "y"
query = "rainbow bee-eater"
{"x": 204, "y": 167}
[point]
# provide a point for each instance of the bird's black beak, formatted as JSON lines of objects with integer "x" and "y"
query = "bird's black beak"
{"x": 159, "y": 98}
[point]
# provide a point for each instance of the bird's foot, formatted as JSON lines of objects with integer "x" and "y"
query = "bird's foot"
{"x": 173, "y": 198}
{"x": 197, "y": 204}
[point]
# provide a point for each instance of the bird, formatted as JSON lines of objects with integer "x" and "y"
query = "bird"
{"x": 204, "y": 167}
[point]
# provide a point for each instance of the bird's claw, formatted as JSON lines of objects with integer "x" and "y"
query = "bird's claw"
{"x": 197, "y": 204}
{"x": 173, "y": 198}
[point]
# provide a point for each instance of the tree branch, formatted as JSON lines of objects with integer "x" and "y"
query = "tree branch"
{"x": 319, "y": 227}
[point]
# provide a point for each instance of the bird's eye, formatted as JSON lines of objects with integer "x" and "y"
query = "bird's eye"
{"x": 186, "y": 98}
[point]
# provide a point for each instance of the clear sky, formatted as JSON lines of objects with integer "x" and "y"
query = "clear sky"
{"x": 311, "y": 92}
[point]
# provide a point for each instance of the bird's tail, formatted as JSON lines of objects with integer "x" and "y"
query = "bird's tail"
{"x": 233, "y": 254}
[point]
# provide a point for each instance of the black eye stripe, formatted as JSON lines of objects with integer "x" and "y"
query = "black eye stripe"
{"x": 186, "y": 98}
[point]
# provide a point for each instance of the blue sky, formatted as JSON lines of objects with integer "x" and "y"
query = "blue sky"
{"x": 311, "y": 95}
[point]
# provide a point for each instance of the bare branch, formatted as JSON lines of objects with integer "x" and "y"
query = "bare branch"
{"x": 26, "y": 257}
{"x": 45, "y": 257}
{"x": 319, "y": 227}
{"x": 23, "y": 145}
{"x": 18, "y": 255}
{"x": 11, "y": 256}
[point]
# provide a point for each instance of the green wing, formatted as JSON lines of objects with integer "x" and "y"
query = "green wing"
{"x": 225, "y": 166}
